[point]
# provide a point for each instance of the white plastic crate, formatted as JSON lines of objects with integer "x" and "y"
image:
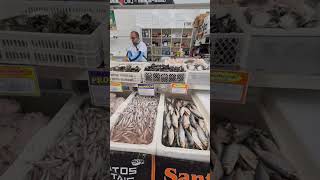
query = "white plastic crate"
{"x": 54, "y": 49}
{"x": 277, "y": 50}
{"x": 228, "y": 49}
{"x": 198, "y": 77}
{"x": 129, "y": 77}
{"x": 183, "y": 153}
{"x": 140, "y": 148}
{"x": 164, "y": 77}
{"x": 61, "y": 104}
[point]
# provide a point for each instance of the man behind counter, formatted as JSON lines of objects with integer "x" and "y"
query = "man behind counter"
{"x": 138, "y": 50}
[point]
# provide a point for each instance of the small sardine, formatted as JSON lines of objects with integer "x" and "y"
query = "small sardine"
{"x": 186, "y": 122}
{"x": 202, "y": 137}
{"x": 171, "y": 136}
{"x": 196, "y": 138}
{"x": 189, "y": 138}
{"x": 230, "y": 158}
{"x": 175, "y": 117}
{"x": 182, "y": 136}
{"x": 168, "y": 120}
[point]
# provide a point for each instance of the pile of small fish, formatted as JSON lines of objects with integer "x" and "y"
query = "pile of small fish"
{"x": 136, "y": 123}
{"x": 164, "y": 68}
{"x": 183, "y": 125}
{"x": 58, "y": 23}
{"x": 81, "y": 152}
{"x": 282, "y": 16}
{"x": 243, "y": 152}
{"x": 224, "y": 24}
{"x": 115, "y": 102}
{"x": 16, "y": 129}
{"x": 197, "y": 67}
{"x": 125, "y": 68}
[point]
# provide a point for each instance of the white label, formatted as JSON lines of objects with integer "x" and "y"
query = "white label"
{"x": 146, "y": 89}
{"x": 179, "y": 88}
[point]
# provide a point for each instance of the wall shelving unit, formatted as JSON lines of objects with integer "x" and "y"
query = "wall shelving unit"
{"x": 167, "y": 41}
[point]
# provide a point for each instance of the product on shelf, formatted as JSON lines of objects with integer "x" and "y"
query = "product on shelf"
{"x": 125, "y": 68}
{"x": 184, "y": 126}
{"x": 282, "y": 16}
{"x": 115, "y": 102}
{"x": 81, "y": 152}
{"x": 224, "y": 24}
{"x": 164, "y": 68}
{"x": 58, "y": 23}
{"x": 240, "y": 150}
{"x": 136, "y": 123}
{"x": 16, "y": 129}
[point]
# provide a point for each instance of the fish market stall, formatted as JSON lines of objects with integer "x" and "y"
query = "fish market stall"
{"x": 67, "y": 135}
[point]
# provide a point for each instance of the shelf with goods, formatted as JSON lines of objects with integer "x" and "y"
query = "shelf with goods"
{"x": 166, "y": 41}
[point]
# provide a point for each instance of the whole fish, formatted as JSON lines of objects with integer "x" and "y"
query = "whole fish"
{"x": 248, "y": 156}
{"x": 189, "y": 138}
{"x": 171, "y": 136}
{"x": 186, "y": 122}
{"x": 182, "y": 136}
{"x": 168, "y": 120}
{"x": 277, "y": 163}
{"x": 230, "y": 157}
{"x": 196, "y": 138}
{"x": 177, "y": 138}
{"x": 202, "y": 137}
{"x": 165, "y": 131}
{"x": 175, "y": 117}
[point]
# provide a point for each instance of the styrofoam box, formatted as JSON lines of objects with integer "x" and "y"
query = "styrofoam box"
{"x": 140, "y": 148}
{"x": 129, "y": 77}
{"x": 198, "y": 77}
{"x": 163, "y": 77}
{"x": 183, "y": 153}
{"x": 256, "y": 114}
{"x": 46, "y": 136}
{"x": 56, "y": 49}
{"x": 277, "y": 50}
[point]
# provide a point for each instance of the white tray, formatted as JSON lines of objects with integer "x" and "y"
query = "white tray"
{"x": 140, "y": 148}
{"x": 183, "y": 153}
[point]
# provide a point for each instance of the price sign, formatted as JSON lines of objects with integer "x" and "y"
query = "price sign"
{"x": 229, "y": 86}
{"x": 18, "y": 80}
{"x": 99, "y": 86}
{"x": 116, "y": 87}
{"x": 178, "y": 88}
{"x": 146, "y": 89}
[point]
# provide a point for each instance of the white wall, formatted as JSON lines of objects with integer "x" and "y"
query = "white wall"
{"x": 135, "y": 19}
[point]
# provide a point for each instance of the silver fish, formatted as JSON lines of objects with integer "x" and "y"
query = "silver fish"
{"x": 248, "y": 156}
{"x": 230, "y": 157}
{"x": 175, "y": 117}
{"x": 202, "y": 137}
{"x": 277, "y": 162}
{"x": 171, "y": 136}
{"x": 196, "y": 138}
{"x": 165, "y": 132}
{"x": 177, "y": 138}
{"x": 186, "y": 121}
{"x": 168, "y": 120}
{"x": 182, "y": 136}
{"x": 189, "y": 138}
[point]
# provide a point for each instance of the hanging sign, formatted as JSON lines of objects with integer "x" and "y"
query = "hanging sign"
{"x": 18, "y": 80}
{"x": 229, "y": 86}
